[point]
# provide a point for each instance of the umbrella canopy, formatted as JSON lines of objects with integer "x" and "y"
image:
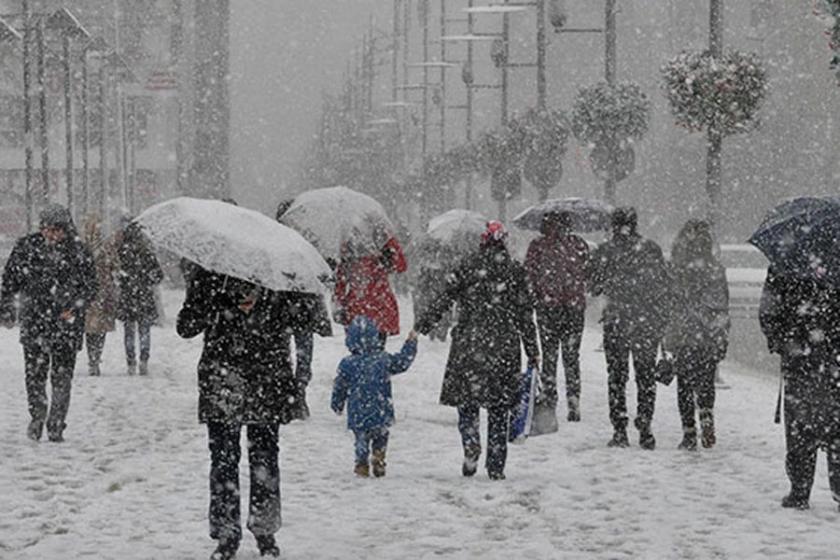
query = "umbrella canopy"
{"x": 339, "y": 217}
{"x": 801, "y": 236}
{"x": 587, "y": 214}
{"x": 237, "y": 242}
{"x": 449, "y": 237}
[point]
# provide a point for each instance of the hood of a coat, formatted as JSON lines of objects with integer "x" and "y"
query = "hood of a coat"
{"x": 362, "y": 336}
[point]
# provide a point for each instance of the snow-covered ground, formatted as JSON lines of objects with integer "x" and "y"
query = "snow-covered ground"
{"x": 130, "y": 482}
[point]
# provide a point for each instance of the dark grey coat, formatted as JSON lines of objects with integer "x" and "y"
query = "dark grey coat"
{"x": 49, "y": 280}
{"x": 245, "y": 372}
{"x": 495, "y": 320}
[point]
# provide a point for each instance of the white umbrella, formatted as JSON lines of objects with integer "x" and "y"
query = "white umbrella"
{"x": 452, "y": 225}
{"x": 330, "y": 218}
{"x": 237, "y": 242}
{"x": 587, "y": 214}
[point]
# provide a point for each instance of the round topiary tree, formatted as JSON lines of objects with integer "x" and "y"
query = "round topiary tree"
{"x": 609, "y": 118}
{"x": 719, "y": 95}
{"x": 543, "y": 136}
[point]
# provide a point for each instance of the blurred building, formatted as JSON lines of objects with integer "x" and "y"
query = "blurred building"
{"x": 149, "y": 124}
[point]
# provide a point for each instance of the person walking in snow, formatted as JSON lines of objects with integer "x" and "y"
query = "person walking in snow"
{"x": 364, "y": 384}
{"x": 53, "y": 274}
{"x": 362, "y": 287}
{"x": 484, "y": 368}
{"x": 139, "y": 272}
{"x": 630, "y": 271}
{"x": 245, "y": 378}
{"x": 698, "y": 331}
{"x": 800, "y": 317}
{"x": 556, "y": 264}
{"x": 310, "y": 318}
{"x": 100, "y": 318}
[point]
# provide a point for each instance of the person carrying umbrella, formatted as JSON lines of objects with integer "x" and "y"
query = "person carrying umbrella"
{"x": 484, "y": 368}
{"x": 630, "y": 271}
{"x": 556, "y": 264}
{"x": 800, "y": 317}
{"x": 698, "y": 330}
{"x": 246, "y": 264}
{"x": 53, "y": 274}
{"x": 362, "y": 286}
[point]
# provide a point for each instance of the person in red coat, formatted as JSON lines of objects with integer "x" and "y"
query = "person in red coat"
{"x": 556, "y": 265}
{"x": 362, "y": 287}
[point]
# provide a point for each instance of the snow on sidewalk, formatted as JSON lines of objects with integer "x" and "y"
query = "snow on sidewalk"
{"x": 130, "y": 482}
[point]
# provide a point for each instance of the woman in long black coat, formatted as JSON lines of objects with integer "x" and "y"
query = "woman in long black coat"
{"x": 699, "y": 328}
{"x": 245, "y": 377}
{"x": 483, "y": 371}
{"x": 139, "y": 272}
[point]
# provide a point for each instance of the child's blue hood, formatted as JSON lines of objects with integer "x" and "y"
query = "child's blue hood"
{"x": 363, "y": 336}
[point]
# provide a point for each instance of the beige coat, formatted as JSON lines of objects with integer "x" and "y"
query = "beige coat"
{"x": 101, "y": 314}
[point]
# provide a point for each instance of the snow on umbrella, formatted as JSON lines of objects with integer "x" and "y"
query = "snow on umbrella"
{"x": 336, "y": 217}
{"x": 450, "y": 235}
{"x": 801, "y": 236}
{"x": 237, "y": 242}
{"x": 587, "y": 214}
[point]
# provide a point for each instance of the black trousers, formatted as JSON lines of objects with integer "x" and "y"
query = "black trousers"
{"x": 561, "y": 327}
{"x": 264, "y": 501}
{"x": 57, "y": 362}
{"x": 695, "y": 370}
{"x": 619, "y": 343}
{"x": 497, "y": 435}
{"x": 807, "y": 429}
{"x": 95, "y": 343}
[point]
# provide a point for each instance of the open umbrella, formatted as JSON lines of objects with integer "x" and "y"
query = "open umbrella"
{"x": 238, "y": 242}
{"x": 587, "y": 214}
{"x": 449, "y": 237}
{"x": 338, "y": 217}
{"x": 801, "y": 236}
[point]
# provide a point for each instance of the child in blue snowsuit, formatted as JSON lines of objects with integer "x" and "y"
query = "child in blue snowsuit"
{"x": 364, "y": 383}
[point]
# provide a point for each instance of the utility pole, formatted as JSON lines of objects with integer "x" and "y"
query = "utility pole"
{"x": 424, "y": 15}
{"x": 443, "y": 68}
{"x": 68, "y": 116}
{"x": 610, "y": 67}
{"x": 541, "y": 55}
{"x": 714, "y": 169}
{"x": 42, "y": 102}
{"x": 504, "y": 109}
{"x": 469, "y": 120}
{"x": 85, "y": 206}
{"x": 395, "y": 51}
{"x": 27, "y": 110}
{"x": 103, "y": 138}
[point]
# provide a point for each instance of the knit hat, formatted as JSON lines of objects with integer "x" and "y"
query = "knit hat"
{"x": 55, "y": 215}
{"x": 495, "y": 232}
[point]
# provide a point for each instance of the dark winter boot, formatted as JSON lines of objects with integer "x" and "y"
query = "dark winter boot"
{"x": 144, "y": 367}
{"x": 35, "y": 429}
{"x": 619, "y": 439}
{"x": 131, "y": 368}
{"x": 268, "y": 546}
{"x": 646, "y": 439}
{"x": 378, "y": 463}
{"x": 56, "y": 433}
{"x": 93, "y": 370}
{"x": 707, "y": 426}
{"x": 470, "y": 465}
{"x": 496, "y": 475}
{"x": 574, "y": 409}
{"x": 689, "y": 441}
{"x": 226, "y": 550}
{"x": 362, "y": 470}
{"x": 794, "y": 501}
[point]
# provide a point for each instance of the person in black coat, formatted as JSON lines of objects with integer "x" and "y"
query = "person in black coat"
{"x": 138, "y": 274}
{"x": 698, "y": 330}
{"x": 53, "y": 274}
{"x": 800, "y": 316}
{"x": 484, "y": 368}
{"x": 245, "y": 377}
{"x": 630, "y": 271}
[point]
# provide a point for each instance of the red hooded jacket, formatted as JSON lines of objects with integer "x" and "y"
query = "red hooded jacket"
{"x": 362, "y": 288}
